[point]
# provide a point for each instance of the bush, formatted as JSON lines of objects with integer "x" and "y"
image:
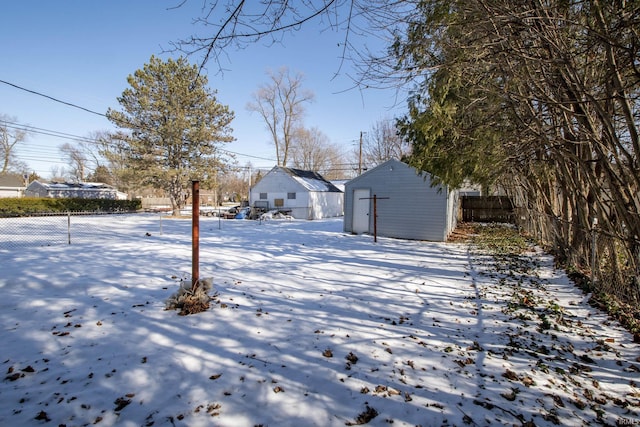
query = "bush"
{"x": 26, "y": 206}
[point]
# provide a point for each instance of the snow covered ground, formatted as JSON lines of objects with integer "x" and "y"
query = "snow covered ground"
{"x": 309, "y": 327}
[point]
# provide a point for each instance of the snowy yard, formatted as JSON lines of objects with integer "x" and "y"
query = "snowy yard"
{"x": 309, "y": 327}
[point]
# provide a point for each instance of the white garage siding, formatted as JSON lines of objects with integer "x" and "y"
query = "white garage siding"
{"x": 315, "y": 197}
{"x": 407, "y": 206}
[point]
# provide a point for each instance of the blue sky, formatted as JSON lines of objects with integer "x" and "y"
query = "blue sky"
{"x": 82, "y": 51}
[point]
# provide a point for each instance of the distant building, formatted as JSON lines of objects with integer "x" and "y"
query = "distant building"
{"x": 81, "y": 190}
{"x": 303, "y": 194}
{"x": 12, "y": 185}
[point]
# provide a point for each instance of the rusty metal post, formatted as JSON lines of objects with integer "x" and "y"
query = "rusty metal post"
{"x": 375, "y": 218}
{"x": 375, "y": 214}
{"x": 195, "y": 233}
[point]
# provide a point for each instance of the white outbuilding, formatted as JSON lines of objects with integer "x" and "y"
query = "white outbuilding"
{"x": 12, "y": 185}
{"x": 404, "y": 203}
{"x": 302, "y": 194}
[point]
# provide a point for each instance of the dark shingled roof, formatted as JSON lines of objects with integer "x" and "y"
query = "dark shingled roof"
{"x": 312, "y": 180}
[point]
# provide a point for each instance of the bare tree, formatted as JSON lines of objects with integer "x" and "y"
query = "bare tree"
{"x": 10, "y": 137}
{"x": 312, "y": 150}
{"x": 383, "y": 142}
{"x": 236, "y": 24}
{"x": 113, "y": 148}
{"x": 57, "y": 174}
{"x": 77, "y": 160}
{"x": 280, "y": 102}
{"x": 234, "y": 185}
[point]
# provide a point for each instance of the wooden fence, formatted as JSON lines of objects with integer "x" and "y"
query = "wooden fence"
{"x": 487, "y": 209}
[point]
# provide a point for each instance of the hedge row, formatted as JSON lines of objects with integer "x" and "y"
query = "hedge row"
{"x": 33, "y": 205}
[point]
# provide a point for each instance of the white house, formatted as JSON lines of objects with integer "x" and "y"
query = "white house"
{"x": 82, "y": 190}
{"x": 304, "y": 194}
{"x": 406, "y": 206}
{"x": 11, "y": 185}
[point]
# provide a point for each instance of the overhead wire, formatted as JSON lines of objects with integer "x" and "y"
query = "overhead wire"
{"x": 64, "y": 135}
{"x": 77, "y": 138}
{"x": 70, "y": 104}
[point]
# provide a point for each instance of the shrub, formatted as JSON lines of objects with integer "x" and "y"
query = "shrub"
{"x": 26, "y": 206}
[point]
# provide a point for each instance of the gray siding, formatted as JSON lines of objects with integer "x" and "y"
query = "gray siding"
{"x": 413, "y": 210}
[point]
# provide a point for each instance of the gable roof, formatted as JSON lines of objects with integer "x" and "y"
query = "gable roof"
{"x": 11, "y": 180}
{"x": 390, "y": 165}
{"x": 311, "y": 180}
{"x": 384, "y": 165}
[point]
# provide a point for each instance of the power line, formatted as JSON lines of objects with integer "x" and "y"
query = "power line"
{"x": 77, "y": 138}
{"x": 47, "y": 132}
{"x": 70, "y": 104}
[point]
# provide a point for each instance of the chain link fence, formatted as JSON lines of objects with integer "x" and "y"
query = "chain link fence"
{"x": 614, "y": 269}
{"x": 48, "y": 229}
{"x": 606, "y": 259}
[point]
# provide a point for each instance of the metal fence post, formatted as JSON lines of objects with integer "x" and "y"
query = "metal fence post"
{"x": 195, "y": 233}
{"x": 69, "y": 227}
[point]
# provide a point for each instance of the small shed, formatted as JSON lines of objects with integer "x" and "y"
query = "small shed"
{"x": 12, "y": 185}
{"x": 81, "y": 190}
{"x": 303, "y": 194}
{"x": 407, "y": 205}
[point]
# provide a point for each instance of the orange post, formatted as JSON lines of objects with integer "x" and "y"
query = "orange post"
{"x": 195, "y": 233}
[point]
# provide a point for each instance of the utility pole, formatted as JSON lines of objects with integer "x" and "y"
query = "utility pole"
{"x": 360, "y": 157}
{"x": 249, "y": 189}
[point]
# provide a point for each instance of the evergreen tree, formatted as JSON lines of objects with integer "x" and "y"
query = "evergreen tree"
{"x": 175, "y": 125}
{"x": 543, "y": 96}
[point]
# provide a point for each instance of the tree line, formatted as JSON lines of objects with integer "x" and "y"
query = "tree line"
{"x": 541, "y": 99}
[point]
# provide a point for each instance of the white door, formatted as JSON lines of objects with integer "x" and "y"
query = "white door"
{"x": 361, "y": 203}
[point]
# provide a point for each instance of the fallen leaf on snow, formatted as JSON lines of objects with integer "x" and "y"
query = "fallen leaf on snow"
{"x": 509, "y": 374}
{"x": 42, "y": 416}
{"x": 364, "y": 417}
{"x": 121, "y": 403}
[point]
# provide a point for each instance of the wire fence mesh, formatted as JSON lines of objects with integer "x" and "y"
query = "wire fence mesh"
{"x": 609, "y": 261}
{"x": 48, "y": 229}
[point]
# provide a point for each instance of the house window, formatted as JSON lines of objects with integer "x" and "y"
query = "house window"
{"x": 278, "y": 203}
{"x": 263, "y": 196}
{"x": 291, "y": 196}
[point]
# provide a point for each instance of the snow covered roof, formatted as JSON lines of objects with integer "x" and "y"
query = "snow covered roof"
{"x": 311, "y": 180}
{"x": 72, "y": 189}
{"x": 77, "y": 185}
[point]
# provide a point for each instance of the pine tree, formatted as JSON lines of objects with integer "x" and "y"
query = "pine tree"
{"x": 175, "y": 125}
